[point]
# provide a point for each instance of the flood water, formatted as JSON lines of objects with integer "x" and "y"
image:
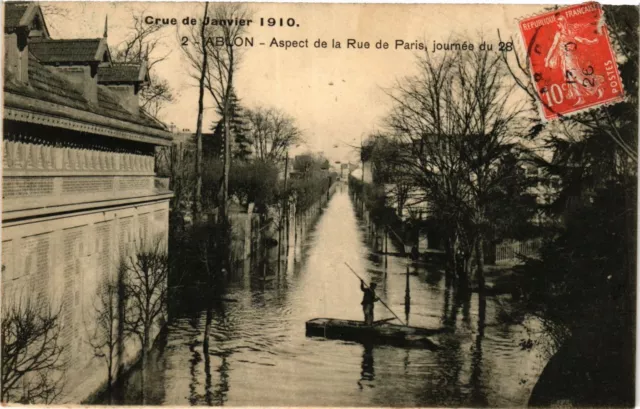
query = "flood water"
{"x": 258, "y": 354}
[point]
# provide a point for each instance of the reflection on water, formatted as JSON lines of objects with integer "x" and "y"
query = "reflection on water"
{"x": 368, "y": 371}
{"x": 252, "y": 350}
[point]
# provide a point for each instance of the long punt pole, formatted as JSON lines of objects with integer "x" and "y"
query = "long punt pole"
{"x": 383, "y": 303}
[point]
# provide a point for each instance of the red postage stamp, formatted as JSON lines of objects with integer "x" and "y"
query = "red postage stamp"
{"x": 572, "y": 63}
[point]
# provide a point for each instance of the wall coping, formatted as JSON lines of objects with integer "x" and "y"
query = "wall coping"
{"x": 11, "y": 217}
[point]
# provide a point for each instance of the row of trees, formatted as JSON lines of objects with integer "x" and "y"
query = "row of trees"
{"x": 244, "y": 160}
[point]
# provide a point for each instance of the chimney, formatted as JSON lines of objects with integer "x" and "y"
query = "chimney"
{"x": 85, "y": 77}
{"x": 16, "y": 55}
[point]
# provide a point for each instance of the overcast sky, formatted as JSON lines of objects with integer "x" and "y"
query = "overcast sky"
{"x": 335, "y": 95}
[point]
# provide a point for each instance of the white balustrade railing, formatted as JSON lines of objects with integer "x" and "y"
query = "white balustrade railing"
{"x": 22, "y": 156}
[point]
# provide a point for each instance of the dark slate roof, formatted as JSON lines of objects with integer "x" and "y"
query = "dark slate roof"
{"x": 13, "y": 13}
{"x": 68, "y": 51}
{"x": 47, "y": 85}
{"x": 122, "y": 72}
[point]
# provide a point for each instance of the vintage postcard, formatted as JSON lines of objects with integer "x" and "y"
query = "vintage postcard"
{"x": 319, "y": 205}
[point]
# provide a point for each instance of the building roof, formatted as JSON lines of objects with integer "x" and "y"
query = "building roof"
{"x": 47, "y": 85}
{"x": 123, "y": 73}
{"x": 51, "y": 98}
{"x": 18, "y": 14}
{"x": 70, "y": 51}
{"x": 23, "y": 14}
{"x": 14, "y": 14}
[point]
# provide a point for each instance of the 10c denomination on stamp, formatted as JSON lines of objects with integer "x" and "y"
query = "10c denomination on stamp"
{"x": 572, "y": 62}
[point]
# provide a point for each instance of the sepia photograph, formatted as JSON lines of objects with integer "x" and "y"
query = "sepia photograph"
{"x": 319, "y": 205}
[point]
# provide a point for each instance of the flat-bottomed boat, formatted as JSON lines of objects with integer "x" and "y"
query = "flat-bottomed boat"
{"x": 381, "y": 332}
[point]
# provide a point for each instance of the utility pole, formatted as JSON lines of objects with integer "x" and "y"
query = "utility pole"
{"x": 386, "y": 248}
{"x": 407, "y": 299}
{"x": 286, "y": 200}
{"x": 283, "y": 211}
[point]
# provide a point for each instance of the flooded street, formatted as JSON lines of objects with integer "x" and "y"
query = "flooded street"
{"x": 258, "y": 351}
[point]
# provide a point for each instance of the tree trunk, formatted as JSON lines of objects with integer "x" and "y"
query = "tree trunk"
{"x": 197, "y": 191}
{"x": 120, "y": 332}
{"x": 227, "y": 159}
{"x": 143, "y": 369}
{"x": 452, "y": 247}
{"x": 401, "y": 200}
{"x": 480, "y": 262}
{"x": 110, "y": 378}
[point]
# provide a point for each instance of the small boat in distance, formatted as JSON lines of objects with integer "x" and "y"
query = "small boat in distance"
{"x": 381, "y": 332}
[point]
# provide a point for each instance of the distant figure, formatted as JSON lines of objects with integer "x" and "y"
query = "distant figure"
{"x": 415, "y": 253}
{"x": 461, "y": 272}
{"x": 367, "y": 301}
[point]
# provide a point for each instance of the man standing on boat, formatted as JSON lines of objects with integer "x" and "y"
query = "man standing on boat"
{"x": 367, "y": 301}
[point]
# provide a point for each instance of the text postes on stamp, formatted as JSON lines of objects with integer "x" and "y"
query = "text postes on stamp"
{"x": 572, "y": 63}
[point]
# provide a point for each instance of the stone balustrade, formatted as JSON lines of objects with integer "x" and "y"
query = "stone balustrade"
{"x": 25, "y": 157}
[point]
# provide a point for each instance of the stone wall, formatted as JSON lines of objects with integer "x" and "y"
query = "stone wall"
{"x": 241, "y": 232}
{"x": 37, "y": 176}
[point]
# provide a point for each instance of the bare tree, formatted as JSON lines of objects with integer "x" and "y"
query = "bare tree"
{"x": 214, "y": 60}
{"x": 143, "y": 45}
{"x": 458, "y": 125}
{"x": 52, "y": 9}
{"x": 384, "y": 153}
{"x": 55, "y": 12}
{"x": 104, "y": 339}
{"x": 146, "y": 274}
{"x": 421, "y": 123}
{"x": 225, "y": 59}
{"x": 197, "y": 54}
{"x": 32, "y": 355}
{"x": 273, "y": 132}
